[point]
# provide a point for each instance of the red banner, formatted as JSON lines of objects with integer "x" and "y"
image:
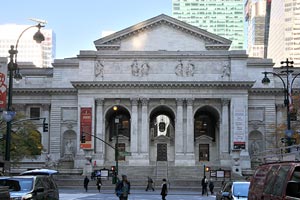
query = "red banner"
{"x": 3, "y": 91}
{"x": 86, "y": 128}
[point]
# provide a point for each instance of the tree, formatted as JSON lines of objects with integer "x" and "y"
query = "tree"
{"x": 25, "y": 139}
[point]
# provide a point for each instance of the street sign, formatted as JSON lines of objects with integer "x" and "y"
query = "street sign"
{"x": 124, "y": 153}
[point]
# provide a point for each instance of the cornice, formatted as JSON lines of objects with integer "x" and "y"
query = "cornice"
{"x": 47, "y": 91}
{"x": 271, "y": 91}
{"x": 162, "y": 85}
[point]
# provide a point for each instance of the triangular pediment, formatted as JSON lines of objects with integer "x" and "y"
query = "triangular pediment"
{"x": 162, "y": 33}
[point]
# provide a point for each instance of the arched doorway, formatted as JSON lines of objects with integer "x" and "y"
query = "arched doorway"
{"x": 162, "y": 134}
{"x": 117, "y": 132}
{"x": 205, "y": 132}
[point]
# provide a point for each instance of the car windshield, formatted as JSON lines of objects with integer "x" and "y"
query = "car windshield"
{"x": 241, "y": 189}
{"x": 17, "y": 184}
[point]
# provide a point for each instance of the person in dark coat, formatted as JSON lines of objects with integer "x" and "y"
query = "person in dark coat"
{"x": 123, "y": 188}
{"x": 204, "y": 184}
{"x": 150, "y": 184}
{"x": 211, "y": 186}
{"x": 86, "y": 183}
{"x": 99, "y": 183}
{"x": 164, "y": 189}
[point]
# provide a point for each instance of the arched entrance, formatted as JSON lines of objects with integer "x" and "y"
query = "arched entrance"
{"x": 117, "y": 132}
{"x": 162, "y": 134}
{"x": 206, "y": 129}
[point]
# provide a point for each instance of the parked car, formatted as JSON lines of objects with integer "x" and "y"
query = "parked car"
{"x": 233, "y": 190}
{"x": 279, "y": 180}
{"x": 31, "y": 185}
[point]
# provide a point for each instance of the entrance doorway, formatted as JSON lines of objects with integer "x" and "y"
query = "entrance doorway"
{"x": 162, "y": 152}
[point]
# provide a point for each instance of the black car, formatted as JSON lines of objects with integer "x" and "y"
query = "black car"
{"x": 30, "y": 185}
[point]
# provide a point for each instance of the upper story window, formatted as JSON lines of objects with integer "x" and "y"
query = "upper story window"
{"x": 35, "y": 112}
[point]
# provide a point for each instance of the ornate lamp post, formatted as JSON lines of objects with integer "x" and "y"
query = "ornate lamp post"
{"x": 13, "y": 71}
{"x": 287, "y": 85}
{"x": 117, "y": 121}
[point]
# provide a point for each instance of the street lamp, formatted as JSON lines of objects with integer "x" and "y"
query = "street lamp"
{"x": 287, "y": 85}
{"x": 117, "y": 121}
{"x": 13, "y": 71}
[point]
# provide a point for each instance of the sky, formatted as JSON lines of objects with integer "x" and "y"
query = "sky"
{"x": 77, "y": 24}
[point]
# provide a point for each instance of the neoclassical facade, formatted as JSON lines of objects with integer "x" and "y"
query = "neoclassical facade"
{"x": 160, "y": 91}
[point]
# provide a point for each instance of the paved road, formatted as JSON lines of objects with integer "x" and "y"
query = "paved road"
{"x": 67, "y": 194}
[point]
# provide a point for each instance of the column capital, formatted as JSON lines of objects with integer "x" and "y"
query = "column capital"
{"x": 179, "y": 101}
{"x": 190, "y": 101}
{"x": 99, "y": 102}
{"x": 145, "y": 101}
{"x": 134, "y": 101}
{"x": 225, "y": 102}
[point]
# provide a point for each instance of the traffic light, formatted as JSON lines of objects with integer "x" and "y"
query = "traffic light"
{"x": 114, "y": 174}
{"x": 207, "y": 169}
{"x": 45, "y": 127}
{"x": 82, "y": 138}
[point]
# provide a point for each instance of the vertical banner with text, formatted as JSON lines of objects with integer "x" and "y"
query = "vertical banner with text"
{"x": 3, "y": 92}
{"x": 86, "y": 127}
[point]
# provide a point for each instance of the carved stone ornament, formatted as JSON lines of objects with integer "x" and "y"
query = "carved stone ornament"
{"x": 139, "y": 70}
{"x": 185, "y": 70}
{"x": 99, "y": 68}
{"x": 226, "y": 70}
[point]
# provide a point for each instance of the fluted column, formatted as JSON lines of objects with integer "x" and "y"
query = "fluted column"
{"x": 134, "y": 126}
{"x": 190, "y": 127}
{"x": 145, "y": 128}
{"x": 179, "y": 128}
{"x": 99, "y": 126}
{"x": 224, "y": 128}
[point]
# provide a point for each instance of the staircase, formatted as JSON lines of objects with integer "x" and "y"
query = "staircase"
{"x": 161, "y": 170}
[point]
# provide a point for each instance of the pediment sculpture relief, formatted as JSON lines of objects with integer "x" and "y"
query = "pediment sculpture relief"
{"x": 139, "y": 70}
{"x": 185, "y": 70}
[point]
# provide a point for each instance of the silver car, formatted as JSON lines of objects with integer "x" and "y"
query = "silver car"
{"x": 33, "y": 186}
{"x": 234, "y": 190}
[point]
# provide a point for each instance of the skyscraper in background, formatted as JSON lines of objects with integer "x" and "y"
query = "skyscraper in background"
{"x": 41, "y": 55}
{"x": 224, "y": 18}
{"x": 284, "y": 36}
{"x": 257, "y": 16}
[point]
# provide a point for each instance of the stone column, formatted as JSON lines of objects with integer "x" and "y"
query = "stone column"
{"x": 100, "y": 133}
{"x": 134, "y": 127}
{"x": 145, "y": 129}
{"x": 224, "y": 129}
{"x": 179, "y": 151}
{"x": 190, "y": 128}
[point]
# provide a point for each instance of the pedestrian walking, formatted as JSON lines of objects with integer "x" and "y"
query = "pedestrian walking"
{"x": 204, "y": 183}
{"x": 99, "y": 183}
{"x": 123, "y": 188}
{"x": 86, "y": 183}
{"x": 150, "y": 184}
{"x": 211, "y": 186}
{"x": 164, "y": 189}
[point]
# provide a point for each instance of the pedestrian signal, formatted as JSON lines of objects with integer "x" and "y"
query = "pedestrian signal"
{"x": 207, "y": 169}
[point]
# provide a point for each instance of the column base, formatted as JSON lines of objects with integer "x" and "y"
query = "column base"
{"x": 185, "y": 159}
{"x": 139, "y": 159}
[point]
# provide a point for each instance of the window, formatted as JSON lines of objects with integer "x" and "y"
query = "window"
{"x": 203, "y": 152}
{"x": 34, "y": 112}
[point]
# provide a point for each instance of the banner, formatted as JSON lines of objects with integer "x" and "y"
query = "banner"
{"x": 3, "y": 92}
{"x": 86, "y": 128}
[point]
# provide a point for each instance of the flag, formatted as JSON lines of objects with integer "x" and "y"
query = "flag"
{"x": 290, "y": 78}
